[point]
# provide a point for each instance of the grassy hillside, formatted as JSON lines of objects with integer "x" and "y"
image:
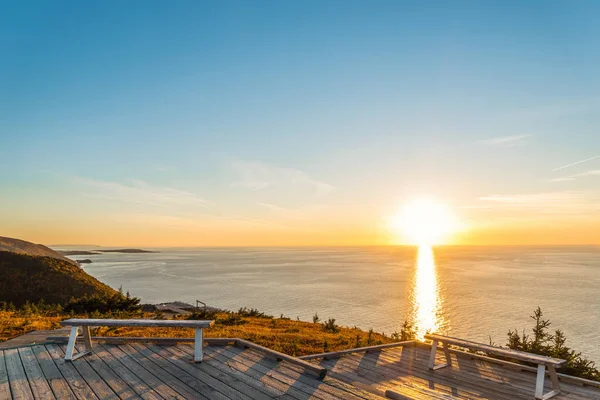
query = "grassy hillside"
{"x": 31, "y": 278}
{"x": 22, "y": 247}
{"x": 286, "y": 335}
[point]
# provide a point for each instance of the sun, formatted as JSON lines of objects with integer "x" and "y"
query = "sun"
{"x": 423, "y": 221}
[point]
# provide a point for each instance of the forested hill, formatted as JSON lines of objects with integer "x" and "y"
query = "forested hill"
{"x": 31, "y": 278}
{"x": 32, "y": 249}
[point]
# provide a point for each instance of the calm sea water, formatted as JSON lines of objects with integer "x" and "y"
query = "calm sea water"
{"x": 470, "y": 292}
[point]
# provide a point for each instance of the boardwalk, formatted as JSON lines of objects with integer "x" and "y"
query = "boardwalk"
{"x": 149, "y": 371}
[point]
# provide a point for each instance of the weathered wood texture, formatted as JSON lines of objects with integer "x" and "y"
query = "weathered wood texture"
{"x": 515, "y": 354}
{"x": 336, "y": 354}
{"x": 404, "y": 371}
{"x": 150, "y": 371}
{"x": 154, "y": 323}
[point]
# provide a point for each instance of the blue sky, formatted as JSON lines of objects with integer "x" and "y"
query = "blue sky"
{"x": 298, "y": 121}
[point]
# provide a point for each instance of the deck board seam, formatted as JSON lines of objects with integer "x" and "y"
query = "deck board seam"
{"x": 92, "y": 387}
{"x": 170, "y": 350}
{"x": 24, "y": 372}
{"x": 68, "y": 367}
{"x": 127, "y": 385}
{"x": 6, "y": 371}
{"x": 137, "y": 373}
{"x": 280, "y": 371}
{"x": 181, "y": 382}
{"x": 51, "y": 360}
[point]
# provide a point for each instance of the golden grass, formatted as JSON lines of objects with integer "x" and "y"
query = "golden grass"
{"x": 292, "y": 337}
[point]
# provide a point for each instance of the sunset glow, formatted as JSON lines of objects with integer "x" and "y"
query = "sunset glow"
{"x": 424, "y": 222}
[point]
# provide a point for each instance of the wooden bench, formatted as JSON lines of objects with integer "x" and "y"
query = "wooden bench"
{"x": 76, "y": 323}
{"x": 541, "y": 361}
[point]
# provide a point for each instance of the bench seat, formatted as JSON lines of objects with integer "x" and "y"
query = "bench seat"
{"x": 542, "y": 362}
{"x": 76, "y": 323}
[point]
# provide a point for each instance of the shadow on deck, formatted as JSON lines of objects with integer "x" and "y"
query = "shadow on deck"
{"x": 404, "y": 370}
{"x": 150, "y": 371}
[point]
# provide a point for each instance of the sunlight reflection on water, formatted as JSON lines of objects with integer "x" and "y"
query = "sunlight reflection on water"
{"x": 426, "y": 302}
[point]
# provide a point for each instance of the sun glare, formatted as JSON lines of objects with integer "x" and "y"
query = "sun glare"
{"x": 423, "y": 222}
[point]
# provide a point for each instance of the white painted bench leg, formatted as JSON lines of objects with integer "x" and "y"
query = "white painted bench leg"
{"x": 198, "y": 353}
{"x": 434, "y": 346}
{"x": 71, "y": 344}
{"x": 554, "y": 378}
{"x": 539, "y": 385}
{"x": 539, "y": 382}
{"x": 87, "y": 339}
{"x": 447, "y": 354}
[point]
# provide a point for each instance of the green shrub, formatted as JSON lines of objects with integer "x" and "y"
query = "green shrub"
{"x": 330, "y": 326}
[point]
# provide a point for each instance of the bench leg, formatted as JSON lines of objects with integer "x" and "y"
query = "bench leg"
{"x": 539, "y": 382}
{"x": 87, "y": 338}
{"x": 432, "y": 365}
{"x": 71, "y": 344}
{"x": 198, "y": 353}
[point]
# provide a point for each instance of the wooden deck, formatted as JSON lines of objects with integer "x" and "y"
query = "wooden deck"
{"x": 150, "y": 371}
{"x": 404, "y": 370}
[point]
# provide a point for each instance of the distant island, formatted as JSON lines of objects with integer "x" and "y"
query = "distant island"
{"x": 127, "y": 251}
{"x": 93, "y": 252}
{"x": 86, "y": 261}
{"x": 77, "y": 253}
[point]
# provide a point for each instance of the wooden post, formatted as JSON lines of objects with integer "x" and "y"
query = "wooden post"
{"x": 198, "y": 353}
{"x": 71, "y": 344}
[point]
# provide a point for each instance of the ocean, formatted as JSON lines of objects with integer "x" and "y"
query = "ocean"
{"x": 476, "y": 293}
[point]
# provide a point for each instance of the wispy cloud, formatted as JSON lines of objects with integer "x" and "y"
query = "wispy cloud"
{"x": 593, "y": 172}
{"x": 509, "y": 141}
{"x": 140, "y": 192}
{"x": 564, "y": 202}
{"x": 256, "y": 176}
{"x": 576, "y": 163}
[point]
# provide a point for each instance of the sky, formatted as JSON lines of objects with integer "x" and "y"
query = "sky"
{"x": 237, "y": 123}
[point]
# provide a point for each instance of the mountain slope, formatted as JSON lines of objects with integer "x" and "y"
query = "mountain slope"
{"x": 31, "y": 278}
{"x": 32, "y": 249}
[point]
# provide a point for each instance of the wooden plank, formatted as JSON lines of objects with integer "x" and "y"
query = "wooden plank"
{"x": 140, "y": 387}
{"x": 380, "y": 374}
{"x": 449, "y": 380}
{"x": 471, "y": 385}
{"x": 519, "y": 355}
{"x": 95, "y": 382}
{"x": 379, "y": 383}
{"x": 296, "y": 378}
{"x": 335, "y": 354}
{"x": 114, "y": 381}
{"x": 261, "y": 377}
{"x": 77, "y": 384}
{"x": 512, "y": 384}
{"x": 57, "y": 382}
{"x": 19, "y": 385}
{"x": 35, "y": 376}
{"x": 215, "y": 374}
{"x": 320, "y": 372}
{"x": 4, "y": 384}
{"x": 165, "y": 376}
{"x": 146, "y": 376}
{"x": 204, "y": 390}
{"x": 163, "y": 323}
